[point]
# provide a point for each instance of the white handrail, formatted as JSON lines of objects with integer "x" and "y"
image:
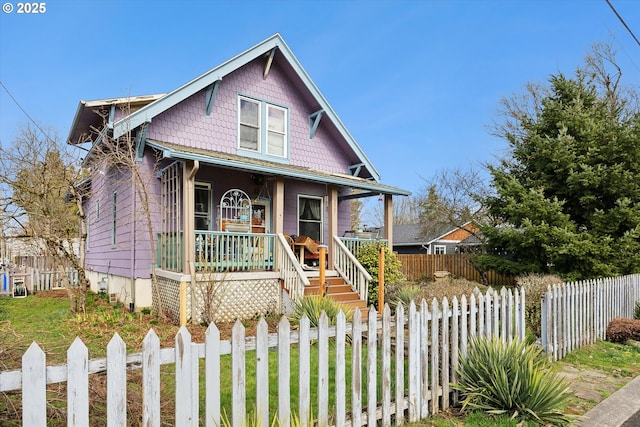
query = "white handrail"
{"x": 290, "y": 269}
{"x": 348, "y": 266}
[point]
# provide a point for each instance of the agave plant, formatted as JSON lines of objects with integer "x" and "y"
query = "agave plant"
{"x": 406, "y": 294}
{"x": 513, "y": 379}
{"x": 313, "y": 306}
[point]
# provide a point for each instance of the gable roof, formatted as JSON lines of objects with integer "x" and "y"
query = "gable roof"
{"x": 273, "y": 44}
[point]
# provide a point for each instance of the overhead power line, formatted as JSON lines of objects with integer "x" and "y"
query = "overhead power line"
{"x": 24, "y": 111}
{"x": 623, "y": 23}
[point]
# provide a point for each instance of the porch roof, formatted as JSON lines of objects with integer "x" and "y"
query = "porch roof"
{"x": 232, "y": 161}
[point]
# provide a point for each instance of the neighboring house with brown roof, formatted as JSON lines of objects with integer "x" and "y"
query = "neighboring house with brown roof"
{"x": 408, "y": 239}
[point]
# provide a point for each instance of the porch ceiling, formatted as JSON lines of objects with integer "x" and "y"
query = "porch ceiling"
{"x": 232, "y": 161}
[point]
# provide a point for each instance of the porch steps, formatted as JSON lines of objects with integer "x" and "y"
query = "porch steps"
{"x": 337, "y": 290}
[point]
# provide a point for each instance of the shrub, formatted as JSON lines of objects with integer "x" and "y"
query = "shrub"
{"x": 619, "y": 330}
{"x": 535, "y": 285}
{"x": 636, "y": 310}
{"x": 404, "y": 295}
{"x": 313, "y": 305}
{"x": 368, "y": 256}
{"x": 513, "y": 379}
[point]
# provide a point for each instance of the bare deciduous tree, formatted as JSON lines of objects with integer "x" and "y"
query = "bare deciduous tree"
{"x": 42, "y": 195}
{"x": 120, "y": 159}
{"x": 450, "y": 198}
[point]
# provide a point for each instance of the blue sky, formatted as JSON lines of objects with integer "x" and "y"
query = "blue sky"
{"x": 417, "y": 83}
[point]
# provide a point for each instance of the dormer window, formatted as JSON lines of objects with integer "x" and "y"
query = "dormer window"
{"x": 262, "y": 127}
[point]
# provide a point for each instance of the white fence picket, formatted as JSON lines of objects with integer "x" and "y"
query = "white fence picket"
{"x": 151, "y": 380}
{"x": 238, "y": 376}
{"x": 304, "y": 371}
{"x": 414, "y": 363}
{"x": 116, "y": 382}
{"x": 435, "y": 356}
{"x": 212, "y": 376}
{"x": 323, "y": 370}
{"x": 372, "y": 365}
{"x": 184, "y": 386}
{"x": 386, "y": 366}
{"x": 78, "y": 384}
{"x": 399, "y": 392}
{"x": 341, "y": 376}
{"x": 426, "y": 347}
{"x": 262, "y": 372}
{"x": 34, "y": 387}
{"x": 356, "y": 369}
{"x": 284, "y": 373}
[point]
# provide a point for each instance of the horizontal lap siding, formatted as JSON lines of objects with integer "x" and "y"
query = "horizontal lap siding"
{"x": 101, "y": 255}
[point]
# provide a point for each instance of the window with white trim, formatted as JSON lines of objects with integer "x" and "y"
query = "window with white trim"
{"x": 202, "y": 211}
{"x": 262, "y": 127}
{"x": 439, "y": 249}
{"x": 310, "y": 217}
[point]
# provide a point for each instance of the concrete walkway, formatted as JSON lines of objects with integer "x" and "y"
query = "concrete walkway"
{"x": 621, "y": 409}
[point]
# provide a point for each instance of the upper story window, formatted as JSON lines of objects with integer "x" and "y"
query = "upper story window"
{"x": 262, "y": 127}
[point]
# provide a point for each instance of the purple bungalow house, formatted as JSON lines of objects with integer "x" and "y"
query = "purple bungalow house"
{"x": 247, "y": 171}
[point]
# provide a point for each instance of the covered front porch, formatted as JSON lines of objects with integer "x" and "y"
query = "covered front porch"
{"x": 250, "y": 238}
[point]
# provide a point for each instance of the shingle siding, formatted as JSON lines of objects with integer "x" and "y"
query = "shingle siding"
{"x": 187, "y": 124}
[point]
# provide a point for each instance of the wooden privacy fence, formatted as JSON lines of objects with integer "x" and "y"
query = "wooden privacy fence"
{"x": 427, "y": 342}
{"x": 577, "y": 314}
{"x": 421, "y": 266}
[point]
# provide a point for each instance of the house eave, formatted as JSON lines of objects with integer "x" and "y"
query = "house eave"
{"x": 275, "y": 169}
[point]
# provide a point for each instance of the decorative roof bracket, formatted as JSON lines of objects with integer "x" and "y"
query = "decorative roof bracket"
{"x": 112, "y": 115}
{"x": 267, "y": 67}
{"x": 355, "y": 169}
{"x": 141, "y": 138}
{"x": 210, "y": 96}
{"x": 314, "y": 122}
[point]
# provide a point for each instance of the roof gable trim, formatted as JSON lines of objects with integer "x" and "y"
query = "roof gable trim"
{"x": 207, "y": 79}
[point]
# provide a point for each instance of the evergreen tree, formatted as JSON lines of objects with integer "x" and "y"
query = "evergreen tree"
{"x": 568, "y": 193}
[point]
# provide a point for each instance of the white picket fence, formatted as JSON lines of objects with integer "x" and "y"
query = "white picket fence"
{"x": 577, "y": 314}
{"x": 38, "y": 280}
{"x": 428, "y": 339}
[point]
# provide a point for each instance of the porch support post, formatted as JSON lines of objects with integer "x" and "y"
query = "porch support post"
{"x": 388, "y": 220}
{"x": 190, "y": 168}
{"x": 332, "y": 222}
{"x": 278, "y": 205}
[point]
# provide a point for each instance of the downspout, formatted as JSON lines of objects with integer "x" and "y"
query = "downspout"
{"x": 132, "y": 303}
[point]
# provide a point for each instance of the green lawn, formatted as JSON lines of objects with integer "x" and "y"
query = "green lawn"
{"x": 49, "y": 322}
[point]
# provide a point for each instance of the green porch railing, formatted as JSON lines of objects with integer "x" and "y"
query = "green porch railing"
{"x": 227, "y": 251}
{"x": 219, "y": 251}
{"x": 354, "y": 243}
{"x": 169, "y": 251}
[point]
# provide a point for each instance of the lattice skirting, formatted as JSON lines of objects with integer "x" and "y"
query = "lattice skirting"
{"x": 217, "y": 299}
{"x": 169, "y": 295}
